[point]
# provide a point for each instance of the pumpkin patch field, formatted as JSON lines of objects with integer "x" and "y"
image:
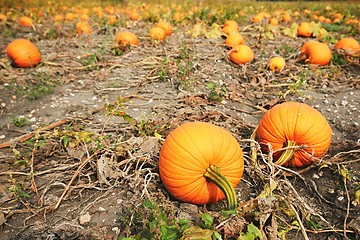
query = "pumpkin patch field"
{"x": 179, "y": 120}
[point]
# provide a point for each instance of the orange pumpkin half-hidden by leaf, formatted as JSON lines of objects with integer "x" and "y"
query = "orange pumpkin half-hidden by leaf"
{"x": 23, "y": 53}
{"x": 201, "y": 163}
{"x": 297, "y": 134}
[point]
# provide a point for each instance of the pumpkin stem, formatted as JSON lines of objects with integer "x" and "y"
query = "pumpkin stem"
{"x": 291, "y": 148}
{"x": 213, "y": 173}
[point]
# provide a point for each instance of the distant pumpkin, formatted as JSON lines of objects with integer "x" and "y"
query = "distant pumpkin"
{"x": 23, "y": 53}
{"x": 25, "y": 21}
{"x": 166, "y": 26}
{"x": 3, "y": 18}
{"x": 304, "y": 30}
{"x": 126, "y": 38}
{"x": 234, "y": 39}
{"x": 157, "y": 33}
{"x": 83, "y": 27}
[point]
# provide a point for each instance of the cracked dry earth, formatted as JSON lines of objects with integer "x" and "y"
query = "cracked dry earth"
{"x": 106, "y": 197}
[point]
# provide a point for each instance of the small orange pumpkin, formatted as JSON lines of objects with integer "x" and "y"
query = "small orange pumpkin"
{"x": 230, "y": 26}
{"x": 112, "y": 19}
{"x": 317, "y": 53}
{"x": 286, "y": 17}
{"x": 273, "y": 21}
{"x": 166, "y": 26}
{"x": 157, "y": 33}
{"x": 301, "y": 128}
{"x": 201, "y": 163}
{"x": 231, "y": 23}
{"x": 276, "y": 64}
{"x": 241, "y": 54}
{"x": 83, "y": 27}
{"x": 58, "y": 18}
{"x": 3, "y": 18}
{"x": 304, "y": 30}
{"x": 23, "y": 53}
{"x": 126, "y": 38}
{"x": 25, "y": 21}
{"x": 234, "y": 39}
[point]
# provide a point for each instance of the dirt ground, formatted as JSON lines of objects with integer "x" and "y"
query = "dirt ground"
{"x": 148, "y": 91}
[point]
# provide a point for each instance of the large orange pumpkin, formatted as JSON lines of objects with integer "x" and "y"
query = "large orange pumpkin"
{"x": 23, "y": 53}
{"x": 201, "y": 163}
{"x": 317, "y": 53}
{"x": 301, "y": 128}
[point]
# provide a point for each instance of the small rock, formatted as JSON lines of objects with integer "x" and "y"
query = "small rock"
{"x": 188, "y": 211}
{"x": 355, "y": 225}
{"x": 85, "y": 218}
{"x": 316, "y": 176}
{"x": 116, "y": 230}
{"x": 101, "y": 209}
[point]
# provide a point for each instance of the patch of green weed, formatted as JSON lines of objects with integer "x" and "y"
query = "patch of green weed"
{"x": 19, "y": 121}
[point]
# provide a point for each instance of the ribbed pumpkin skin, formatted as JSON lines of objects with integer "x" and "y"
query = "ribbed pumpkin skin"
{"x": 23, "y": 53}
{"x": 186, "y": 154}
{"x": 297, "y": 122}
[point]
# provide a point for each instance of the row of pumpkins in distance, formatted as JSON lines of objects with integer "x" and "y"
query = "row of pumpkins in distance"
{"x": 111, "y": 13}
{"x": 25, "y": 54}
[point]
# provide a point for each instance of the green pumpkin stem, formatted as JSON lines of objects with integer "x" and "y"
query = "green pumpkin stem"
{"x": 287, "y": 154}
{"x": 213, "y": 173}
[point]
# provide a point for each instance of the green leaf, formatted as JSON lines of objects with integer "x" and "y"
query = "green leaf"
{"x": 169, "y": 232}
{"x": 252, "y": 233}
{"x": 197, "y": 233}
{"x": 65, "y": 140}
{"x": 292, "y": 31}
{"x": 148, "y": 204}
{"x": 214, "y": 32}
{"x": 207, "y": 219}
{"x": 128, "y": 118}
